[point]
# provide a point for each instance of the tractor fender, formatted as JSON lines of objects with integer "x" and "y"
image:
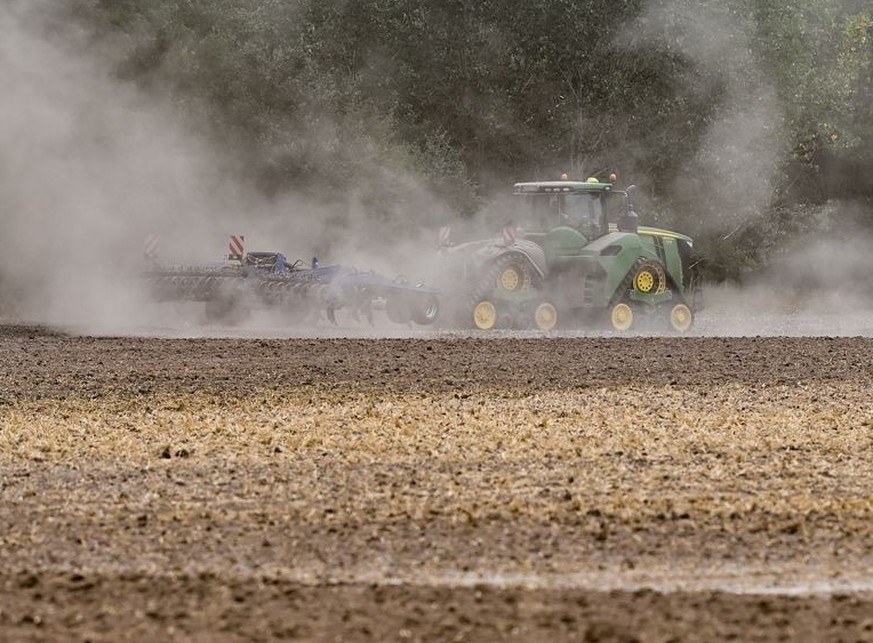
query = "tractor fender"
{"x": 532, "y": 252}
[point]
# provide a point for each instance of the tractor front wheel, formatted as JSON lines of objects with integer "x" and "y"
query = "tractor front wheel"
{"x": 649, "y": 278}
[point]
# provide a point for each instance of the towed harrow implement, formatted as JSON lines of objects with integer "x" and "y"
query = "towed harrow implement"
{"x": 300, "y": 293}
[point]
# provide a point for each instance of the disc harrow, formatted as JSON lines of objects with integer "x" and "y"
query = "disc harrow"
{"x": 299, "y": 292}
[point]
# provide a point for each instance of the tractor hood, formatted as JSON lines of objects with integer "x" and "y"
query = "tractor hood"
{"x": 658, "y": 232}
{"x": 602, "y": 245}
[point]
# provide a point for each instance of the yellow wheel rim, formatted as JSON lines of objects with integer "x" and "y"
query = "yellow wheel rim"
{"x": 622, "y": 317}
{"x": 681, "y": 318}
{"x": 644, "y": 281}
{"x": 510, "y": 279}
{"x": 485, "y": 315}
{"x": 546, "y": 316}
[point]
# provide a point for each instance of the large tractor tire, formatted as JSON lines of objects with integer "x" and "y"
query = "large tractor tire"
{"x": 513, "y": 275}
{"x": 510, "y": 272}
{"x": 649, "y": 277}
{"x": 619, "y": 313}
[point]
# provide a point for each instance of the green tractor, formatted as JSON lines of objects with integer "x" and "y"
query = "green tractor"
{"x": 573, "y": 249}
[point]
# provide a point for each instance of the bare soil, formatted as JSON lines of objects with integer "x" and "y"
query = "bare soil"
{"x": 593, "y": 489}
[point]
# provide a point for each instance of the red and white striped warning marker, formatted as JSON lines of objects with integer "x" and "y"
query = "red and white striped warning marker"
{"x": 509, "y": 236}
{"x": 445, "y": 236}
{"x": 150, "y": 246}
{"x": 236, "y": 247}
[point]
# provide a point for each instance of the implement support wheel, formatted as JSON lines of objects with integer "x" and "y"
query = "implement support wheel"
{"x": 426, "y": 314}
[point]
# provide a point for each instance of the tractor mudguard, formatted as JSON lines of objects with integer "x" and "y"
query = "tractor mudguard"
{"x": 534, "y": 253}
{"x": 531, "y": 251}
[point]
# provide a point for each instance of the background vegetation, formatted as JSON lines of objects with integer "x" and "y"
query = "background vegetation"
{"x": 744, "y": 123}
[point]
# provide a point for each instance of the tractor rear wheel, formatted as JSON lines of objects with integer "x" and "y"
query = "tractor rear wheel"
{"x": 509, "y": 276}
{"x": 514, "y": 276}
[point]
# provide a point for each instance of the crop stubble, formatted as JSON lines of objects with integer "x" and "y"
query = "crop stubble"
{"x": 434, "y": 489}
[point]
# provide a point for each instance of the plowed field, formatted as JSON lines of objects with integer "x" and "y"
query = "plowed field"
{"x": 435, "y": 489}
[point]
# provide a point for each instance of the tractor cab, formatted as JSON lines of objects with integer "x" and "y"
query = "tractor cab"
{"x": 563, "y": 217}
{"x": 582, "y": 229}
{"x": 587, "y": 207}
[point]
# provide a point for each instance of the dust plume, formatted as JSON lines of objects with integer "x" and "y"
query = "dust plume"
{"x": 730, "y": 179}
{"x": 812, "y": 266}
{"x": 90, "y": 166}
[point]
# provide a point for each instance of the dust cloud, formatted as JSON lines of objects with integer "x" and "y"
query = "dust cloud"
{"x": 730, "y": 179}
{"x": 818, "y": 285}
{"x": 812, "y": 284}
{"x": 90, "y": 166}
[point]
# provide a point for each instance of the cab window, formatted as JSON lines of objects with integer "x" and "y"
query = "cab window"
{"x": 582, "y": 211}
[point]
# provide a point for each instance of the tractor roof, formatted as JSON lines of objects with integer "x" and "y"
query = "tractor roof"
{"x": 552, "y": 187}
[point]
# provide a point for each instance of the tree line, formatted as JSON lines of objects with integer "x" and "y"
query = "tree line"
{"x": 741, "y": 122}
